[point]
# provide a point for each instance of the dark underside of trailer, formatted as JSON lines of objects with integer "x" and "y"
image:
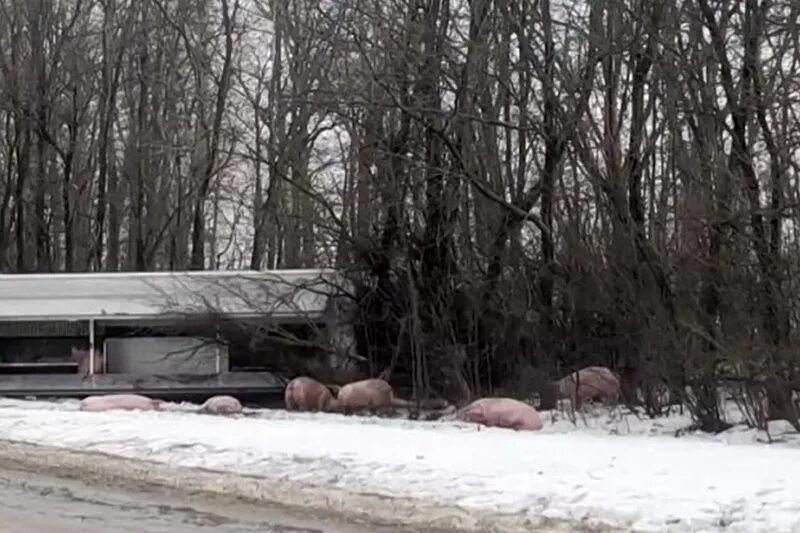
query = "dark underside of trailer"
{"x": 256, "y": 388}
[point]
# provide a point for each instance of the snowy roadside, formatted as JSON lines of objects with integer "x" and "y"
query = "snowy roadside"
{"x": 620, "y": 472}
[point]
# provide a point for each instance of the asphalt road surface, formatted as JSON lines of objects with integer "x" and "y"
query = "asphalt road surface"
{"x": 37, "y": 504}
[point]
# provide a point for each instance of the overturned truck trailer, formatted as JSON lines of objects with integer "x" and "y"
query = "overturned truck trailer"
{"x": 156, "y": 333}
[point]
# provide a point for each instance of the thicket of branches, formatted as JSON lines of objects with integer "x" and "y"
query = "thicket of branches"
{"x": 529, "y": 185}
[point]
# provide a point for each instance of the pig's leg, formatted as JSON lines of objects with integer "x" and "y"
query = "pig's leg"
{"x": 288, "y": 400}
{"x": 320, "y": 405}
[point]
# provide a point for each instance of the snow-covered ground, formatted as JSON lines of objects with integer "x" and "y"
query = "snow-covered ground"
{"x": 608, "y": 468}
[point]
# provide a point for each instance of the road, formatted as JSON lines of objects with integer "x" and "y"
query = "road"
{"x": 33, "y": 504}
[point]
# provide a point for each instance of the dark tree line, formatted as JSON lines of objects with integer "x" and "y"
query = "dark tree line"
{"x": 519, "y": 187}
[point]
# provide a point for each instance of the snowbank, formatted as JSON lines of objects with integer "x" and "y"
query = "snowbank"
{"x": 618, "y": 471}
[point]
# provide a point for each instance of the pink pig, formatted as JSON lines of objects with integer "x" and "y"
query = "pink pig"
{"x": 127, "y": 402}
{"x": 372, "y": 393}
{"x": 82, "y": 358}
{"x": 307, "y": 394}
{"x": 222, "y": 405}
{"x": 593, "y": 383}
{"x": 503, "y": 413}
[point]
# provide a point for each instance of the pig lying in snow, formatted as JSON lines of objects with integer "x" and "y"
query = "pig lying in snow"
{"x": 372, "y": 393}
{"x": 222, "y": 405}
{"x": 502, "y": 413}
{"x": 307, "y": 394}
{"x": 126, "y": 402}
{"x": 593, "y": 383}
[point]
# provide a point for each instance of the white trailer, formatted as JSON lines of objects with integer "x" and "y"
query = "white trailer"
{"x": 44, "y": 316}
